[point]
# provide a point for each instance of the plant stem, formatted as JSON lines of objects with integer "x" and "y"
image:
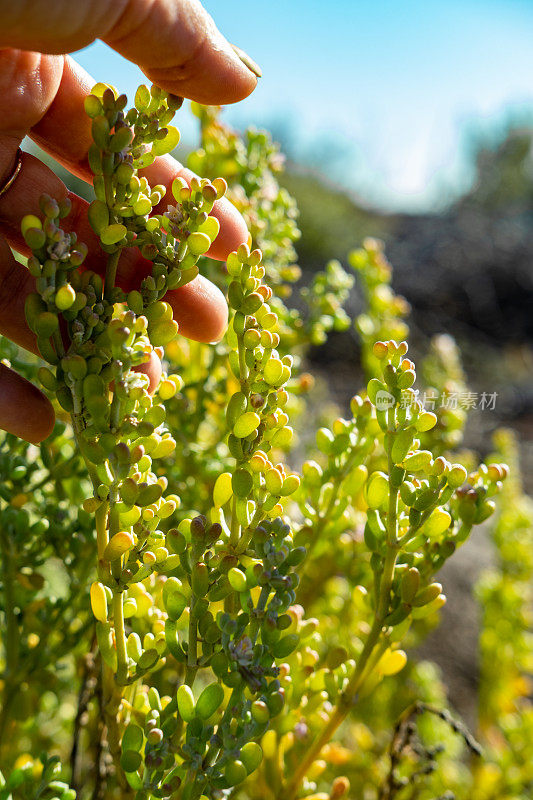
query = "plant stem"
{"x": 12, "y": 629}
{"x": 235, "y": 528}
{"x": 248, "y": 532}
{"x": 102, "y": 536}
{"x": 12, "y": 640}
{"x": 111, "y": 272}
{"x": 120, "y": 637}
{"x": 192, "y": 648}
{"x": 348, "y": 697}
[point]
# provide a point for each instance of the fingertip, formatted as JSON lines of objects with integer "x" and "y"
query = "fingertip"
{"x": 24, "y": 410}
{"x": 46, "y": 423}
{"x": 201, "y": 310}
{"x": 180, "y": 49}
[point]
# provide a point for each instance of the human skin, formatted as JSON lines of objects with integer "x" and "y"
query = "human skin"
{"x": 178, "y": 47}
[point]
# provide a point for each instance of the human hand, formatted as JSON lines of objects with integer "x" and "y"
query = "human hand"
{"x": 178, "y": 47}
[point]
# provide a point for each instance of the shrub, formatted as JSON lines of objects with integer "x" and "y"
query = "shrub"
{"x": 186, "y": 614}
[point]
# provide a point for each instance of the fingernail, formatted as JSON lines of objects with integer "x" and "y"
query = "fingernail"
{"x": 247, "y": 61}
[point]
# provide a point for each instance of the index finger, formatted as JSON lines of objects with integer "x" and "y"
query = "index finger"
{"x": 175, "y": 42}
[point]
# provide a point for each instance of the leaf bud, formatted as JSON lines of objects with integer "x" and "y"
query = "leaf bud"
{"x": 241, "y": 483}
{"x": 210, "y": 700}
{"x": 198, "y": 243}
{"x": 235, "y": 772}
{"x": 401, "y": 444}
{"x": 99, "y": 601}
{"x": 100, "y": 131}
{"x": 324, "y": 440}
{"x": 167, "y": 143}
{"x": 141, "y": 207}
{"x": 200, "y": 579}
{"x": 119, "y": 544}
{"x": 409, "y": 584}
{"x": 380, "y": 350}
{"x": 290, "y": 485}
{"x": 375, "y": 386}
{"x": 286, "y": 645}
{"x": 427, "y": 609}
{"x": 65, "y": 297}
{"x": 92, "y": 105}
{"x": 113, "y": 234}
{"x": 312, "y": 473}
{"x": 418, "y": 462}
{"x": 456, "y": 476}
{"x": 391, "y": 662}
{"x": 273, "y": 371}
{"x": 260, "y": 712}
{"x": 149, "y": 494}
{"x": 251, "y": 756}
{"x": 375, "y": 523}
{"x": 407, "y": 493}
{"x": 485, "y": 510}
{"x": 237, "y": 579}
{"x": 426, "y": 420}
{"x": 46, "y": 324}
{"x": 427, "y": 594}
{"x": 406, "y": 379}
{"x": 339, "y": 787}
{"x": 246, "y": 424}
{"x": 154, "y": 736}
{"x": 186, "y": 702}
{"x": 376, "y": 489}
{"x": 273, "y": 481}
{"x": 120, "y": 139}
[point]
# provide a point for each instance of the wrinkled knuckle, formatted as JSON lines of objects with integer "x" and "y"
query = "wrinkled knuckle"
{"x": 175, "y": 75}
{"x": 126, "y": 23}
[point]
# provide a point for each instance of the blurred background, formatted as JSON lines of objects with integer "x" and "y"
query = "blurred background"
{"x": 412, "y": 122}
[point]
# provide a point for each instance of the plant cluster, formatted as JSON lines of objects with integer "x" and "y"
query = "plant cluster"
{"x": 187, "y": 616}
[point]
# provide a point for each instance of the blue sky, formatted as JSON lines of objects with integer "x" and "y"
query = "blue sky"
{"x": 391, "y": 89}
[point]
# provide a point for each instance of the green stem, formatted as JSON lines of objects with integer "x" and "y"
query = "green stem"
{"x": 235, "y": 528}
{"x": 102, "y": 536}
{"x": 111, "y": 272}
{"x": 247, "y": 534}
{"x": 120, "y": 637}
{"x": 58, "y": 344}
{"x": 192, "y": 648}
{"x": 12, "y": 640}
{"x": 337, "y": 484}
{"x": 260, "y": 607}
{"x": 243, "y": 369}
{"x": 214, "y": 750}
{"x": 348, "y": 697}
